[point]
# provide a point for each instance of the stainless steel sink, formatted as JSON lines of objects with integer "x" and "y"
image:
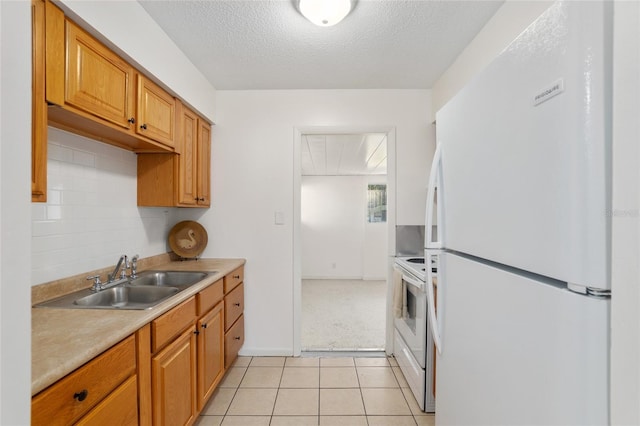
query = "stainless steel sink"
{"x": 168, "y": 278}
{"x": 142, "y": 292}
{"x": 124, "y": 297}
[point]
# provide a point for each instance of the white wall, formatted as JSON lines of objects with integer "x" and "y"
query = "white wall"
{"x": 507, "y": 23}
{"x": 337, "y": 240}
{"x": 15, "y": 222}
{"x": 625, "y": 280}
{"x": 253, "y": 177}
{"x": 90, "y": 217}
{"x": 129, "y": 29}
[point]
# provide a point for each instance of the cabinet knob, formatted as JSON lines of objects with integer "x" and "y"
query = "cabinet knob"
{"x": 132, "y": 120}
{"x": 196, "y": 332}
{"x": 82, "y": 395}
{"x": 204, "y": 325}
{"x": 236, "y": 277}
{"x": 237, "y": 337}
{"x": 143, "y": 127}
{"x": 236, "y": 304}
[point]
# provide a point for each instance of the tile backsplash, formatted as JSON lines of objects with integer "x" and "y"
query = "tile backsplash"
{"x": 91, "y": 217}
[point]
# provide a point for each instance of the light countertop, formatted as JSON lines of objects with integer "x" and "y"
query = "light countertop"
{"x": 65, "y": 339}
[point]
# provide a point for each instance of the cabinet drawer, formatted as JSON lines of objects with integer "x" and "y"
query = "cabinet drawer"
{"x": 172, "y": 323}
{"x": 233, "y": 278}
{"x": 208, "y": 297}
{"x": 233, "y": 340}
{"x": 72, "y": 396}
{"x": 119, "y": 408}
{"x": 233, "y": 306}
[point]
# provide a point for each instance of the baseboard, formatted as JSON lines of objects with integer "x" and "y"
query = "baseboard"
{"x": 345, "y": 278}
{"x": 266, "y": 351}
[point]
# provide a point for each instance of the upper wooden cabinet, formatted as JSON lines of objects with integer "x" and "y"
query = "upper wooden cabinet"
{"x": 194, "y": 164}
{"x": 94, "y": 92}
{"x": 204, "y": 163}
{"x": 39, "y": 105}
{"x": 179, "y": 180}
{"x": 82, "y": 86}
{"x": 156, "y": 112}
{"x": 97, "y": 81}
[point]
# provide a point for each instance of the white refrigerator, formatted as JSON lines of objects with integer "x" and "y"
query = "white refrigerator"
{"x": 521, "y": 184}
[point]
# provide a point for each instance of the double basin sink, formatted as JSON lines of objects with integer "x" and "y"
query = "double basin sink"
{"x": 145, "y": 291}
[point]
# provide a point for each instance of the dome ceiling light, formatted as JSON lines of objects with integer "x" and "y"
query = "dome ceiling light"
{"x": 325, "y": 13}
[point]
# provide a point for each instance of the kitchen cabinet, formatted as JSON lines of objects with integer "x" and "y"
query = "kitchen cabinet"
{"x": 97, "y": 81}
{"x": 210, "y": 341}
{"x": 119, "y": 407}
{"x": 94, "y": 92}
{"x": 174, "y": 381}
{"x": 162, "y": 374}
{"x": 203, "y": 162}
{"x": 82, "y": 86}
{"x": 182, "y": 179}
{"x": 234, "y": 317}
{"x": 173, "y": 366}
{"x": 106, "y": 382}
{"x": 39, "y": 104}
{"x": 156, "y": 112}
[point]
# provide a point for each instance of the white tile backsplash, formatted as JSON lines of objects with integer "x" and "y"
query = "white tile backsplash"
{"x": 91, "y": 216}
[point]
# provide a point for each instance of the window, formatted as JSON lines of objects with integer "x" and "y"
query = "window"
{"x": 377, "y": 203}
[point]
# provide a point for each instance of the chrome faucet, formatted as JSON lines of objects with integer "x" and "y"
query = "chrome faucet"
{"x": 111, "y": 278}
{"x": 124, "y": 262}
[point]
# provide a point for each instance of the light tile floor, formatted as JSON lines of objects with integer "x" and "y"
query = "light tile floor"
{"x": 332, "y": 391}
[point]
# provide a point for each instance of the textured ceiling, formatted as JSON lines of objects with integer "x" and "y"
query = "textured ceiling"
{"x": 267, "y": 44}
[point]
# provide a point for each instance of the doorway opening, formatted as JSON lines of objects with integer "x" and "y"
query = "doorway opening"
{"x": 343, "y": 240}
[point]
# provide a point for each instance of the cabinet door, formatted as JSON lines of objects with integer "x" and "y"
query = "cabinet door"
{"x": 233, "y": 341}
{"x": 204, "y": 163}
{"x": 188, "y": 173}
{"x": 97, "y": 81}
{"x": 39, "y": 105}
{"x": 156, "y": 111}
{"x": 119, "y": 408}
{"x": 173, "y": 382}
{"x": 210, "y": 353}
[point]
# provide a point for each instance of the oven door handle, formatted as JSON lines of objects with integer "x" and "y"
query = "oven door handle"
{"x": 413, "y": 281}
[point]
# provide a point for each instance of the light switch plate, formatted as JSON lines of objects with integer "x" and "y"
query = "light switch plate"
{"x": 279, "y": 218}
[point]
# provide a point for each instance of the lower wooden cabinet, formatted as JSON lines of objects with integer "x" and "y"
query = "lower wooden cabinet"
{"x": 163, "y": 375}
{"x": 119, "y": 408}
{"x": 96, "y": 382}
{"x": 210, "y": 353}
{"x": 233, "y": 341}
{"x": 173, "y": 382}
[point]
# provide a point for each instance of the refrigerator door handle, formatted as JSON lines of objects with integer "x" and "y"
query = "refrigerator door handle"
{"x": 431, "y": 307}
{"x": 434, "y": 182}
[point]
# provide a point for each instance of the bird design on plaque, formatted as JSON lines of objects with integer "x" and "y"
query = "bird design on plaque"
{"x": 188, "y": 239}
{"x": 188, "y": 243}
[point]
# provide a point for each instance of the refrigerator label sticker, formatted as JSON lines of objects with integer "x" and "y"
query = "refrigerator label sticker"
{"x": 549, "y": 92}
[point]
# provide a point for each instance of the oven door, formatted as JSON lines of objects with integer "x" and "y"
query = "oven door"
{"x": 412, "y": 324}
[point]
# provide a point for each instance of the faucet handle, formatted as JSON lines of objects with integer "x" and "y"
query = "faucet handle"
{"x": 134, "y": 266}
{"x": 97, "y": 284}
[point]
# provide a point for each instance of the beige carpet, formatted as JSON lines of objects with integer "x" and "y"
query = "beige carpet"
{"x": 343, "y": 315}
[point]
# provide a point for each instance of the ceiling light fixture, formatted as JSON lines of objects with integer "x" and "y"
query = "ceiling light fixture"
{"x": 325, "y": 13}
